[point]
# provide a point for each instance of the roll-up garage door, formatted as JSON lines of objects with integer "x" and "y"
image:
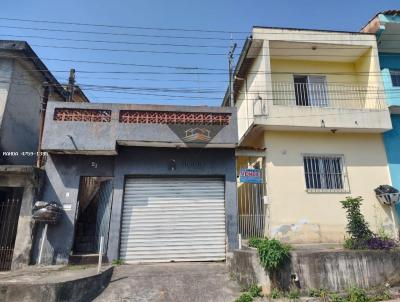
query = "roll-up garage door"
{"x": 173, "y": 219}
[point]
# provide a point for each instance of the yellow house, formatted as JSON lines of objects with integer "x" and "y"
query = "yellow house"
{"x": 311, "y": 113}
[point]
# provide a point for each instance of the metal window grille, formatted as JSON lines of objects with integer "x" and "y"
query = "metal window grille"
{"x": 324, "y": 173}
{"x": 9, "y": 213}
{"x": 395, "y": 75}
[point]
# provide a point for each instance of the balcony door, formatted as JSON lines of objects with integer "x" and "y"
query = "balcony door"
{"x": 311, "y": 91}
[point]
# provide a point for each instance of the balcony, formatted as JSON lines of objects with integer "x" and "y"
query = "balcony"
{"x": 319, "y": 106}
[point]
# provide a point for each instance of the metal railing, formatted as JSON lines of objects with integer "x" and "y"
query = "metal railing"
{"x": 335, "y": 95}
{"x": 251, "y": 210}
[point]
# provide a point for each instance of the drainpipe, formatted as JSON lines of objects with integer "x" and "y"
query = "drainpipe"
{"x": 45, "y": 99}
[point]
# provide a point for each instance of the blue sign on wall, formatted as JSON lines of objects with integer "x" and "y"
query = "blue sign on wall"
{"x": 250, "y": 175}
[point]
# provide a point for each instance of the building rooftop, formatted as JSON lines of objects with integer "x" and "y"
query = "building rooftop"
{"x": 23, "y": 50}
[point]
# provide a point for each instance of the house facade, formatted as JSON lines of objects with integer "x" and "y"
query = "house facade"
{"x": 157, "y": 183}
{"x": 386, "y": 27}
{"x": 311, "y": 113}
{"x": 25, "y": 87}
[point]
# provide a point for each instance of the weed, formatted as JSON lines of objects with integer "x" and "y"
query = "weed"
{"x": 245, "y": 297}
{"x": 117, "y": 262}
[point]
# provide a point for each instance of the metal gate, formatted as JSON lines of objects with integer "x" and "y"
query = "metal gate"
{"x": 9, "y": 213}
{"x": 251, "y": 195}
{"x": 251, "y": 210}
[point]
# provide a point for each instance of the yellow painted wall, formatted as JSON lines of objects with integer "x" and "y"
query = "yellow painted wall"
{"x": 301, "y": 217}
{"x": 290, "y": 67}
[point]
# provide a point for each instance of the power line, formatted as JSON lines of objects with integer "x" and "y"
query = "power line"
{"x": 116, "y": 34}
{"x": 116, "y": 42}
{"x": 124, "y": 26}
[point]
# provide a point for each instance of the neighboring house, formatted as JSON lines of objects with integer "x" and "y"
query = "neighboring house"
{"x": 386, "y": 27}
{"x": 311, "y": 112}
{"x": 125, "y": 173}
{"x": 25, "y": 87}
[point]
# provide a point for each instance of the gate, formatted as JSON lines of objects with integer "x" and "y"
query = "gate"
{"x": 9, "y": 214}
{"x": 251, "y": 210}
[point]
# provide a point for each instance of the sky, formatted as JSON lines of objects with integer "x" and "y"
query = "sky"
{"x": 128, "y": 61}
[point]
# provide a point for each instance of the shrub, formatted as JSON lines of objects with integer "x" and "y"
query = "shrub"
{"x": 336, "y": 298}
{"x": 355, "y": 294}
{"x": 255, "y": 242}
{"x": 379, "y": 243}
{"x": 273, "y": 254}
{"x": 276, "y": 294}
{"x": 318, "y": 293}
{"x": 255, "y": 291}
{"x": 245, "y": 297}
{"x": 361, "y": 236}
{"x": 357, "y": 227}
{"x": 355, "y": 244}
{"x": 294, "y": 294}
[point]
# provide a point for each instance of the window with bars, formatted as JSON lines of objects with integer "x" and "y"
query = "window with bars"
{"x": 395, "y": 75}
{"x": 324, "y": 173}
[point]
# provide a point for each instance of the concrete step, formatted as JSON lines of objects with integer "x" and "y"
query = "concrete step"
{"x": 86, "y": 259}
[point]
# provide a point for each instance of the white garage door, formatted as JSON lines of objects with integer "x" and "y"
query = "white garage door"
{"x": 173, "y": 219}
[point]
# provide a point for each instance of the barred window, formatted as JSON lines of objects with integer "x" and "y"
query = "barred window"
{"x": 395, "y": 75}
{"x": 324, "y": 173}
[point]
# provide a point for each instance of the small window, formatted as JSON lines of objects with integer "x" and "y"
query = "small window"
{"x": 324, "y": 173}
{"x": 395, "y": 75}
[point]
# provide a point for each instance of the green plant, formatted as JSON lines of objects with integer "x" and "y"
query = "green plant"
{"x": 313, "y": 292}
{"x": 357, "y": 227}
{"x": 273, "y": 253}
{"x": 117, "y": 262}
{"x": 255, "y": 242}
{"x": 318, "y": 293}
{"x": 381, "y": 296}
{"x": 276, "y": 294}
{"x": 336, "y": 298}
{"x": 245, "y": 297}
{"x": 355, "y": 294}
{"x": 255, "y": 291}
{"x": 294, "y": 294}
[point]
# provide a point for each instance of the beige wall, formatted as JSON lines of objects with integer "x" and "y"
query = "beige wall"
{"x": 298, "y": 216}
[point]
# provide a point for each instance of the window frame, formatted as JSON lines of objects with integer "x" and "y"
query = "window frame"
{"x": 344, "y": 176}
{"x": 308, "y": 97}
{"x": 395, "y": 73}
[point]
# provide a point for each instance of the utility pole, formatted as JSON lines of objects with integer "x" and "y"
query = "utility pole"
{"x": 231, "y": 80}
{"x": 71, "y": 85}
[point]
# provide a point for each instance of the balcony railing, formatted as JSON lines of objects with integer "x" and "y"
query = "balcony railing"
{"x": 339, "y": 96}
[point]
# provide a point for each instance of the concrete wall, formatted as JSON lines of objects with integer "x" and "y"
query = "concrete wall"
{"x": 297, "y": 215}
{"x": 334, "y": 271}
{"x": 62, "y": 183}
{"x": 20, "y": 102}
{"x": 66, "y": 136}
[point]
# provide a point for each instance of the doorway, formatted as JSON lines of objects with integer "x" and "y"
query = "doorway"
{"x": 10, "y": 205}
{"x": 251, "y": 199}
{"x": 93, "y": 214}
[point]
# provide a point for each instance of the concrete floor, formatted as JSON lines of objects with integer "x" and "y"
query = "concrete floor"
{"x": 171, "y": 282}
